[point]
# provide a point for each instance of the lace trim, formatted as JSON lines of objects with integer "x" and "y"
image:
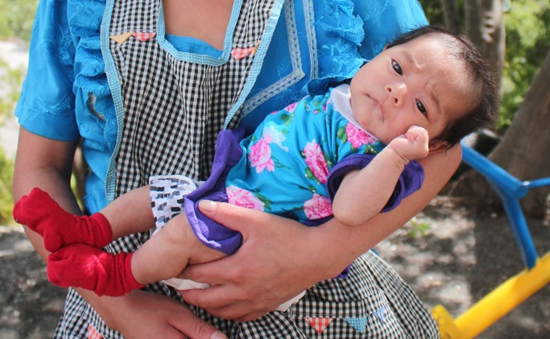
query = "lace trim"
{"x": 85, "y": 24}
{"x": 344, "y": 30}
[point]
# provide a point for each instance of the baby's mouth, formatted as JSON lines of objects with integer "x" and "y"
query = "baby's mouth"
{"x": 379, "y": 107}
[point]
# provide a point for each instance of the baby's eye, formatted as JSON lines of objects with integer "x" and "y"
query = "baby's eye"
{"x": 421, "y": 107}
{"x": 396, "y": 67}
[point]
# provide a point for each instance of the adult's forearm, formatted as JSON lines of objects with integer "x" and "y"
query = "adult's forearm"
{"x": 47, "y": 164}
{"x": 353, "y": 241}
{"x": 297, "y": 256}
{"x": 49, "y": 181}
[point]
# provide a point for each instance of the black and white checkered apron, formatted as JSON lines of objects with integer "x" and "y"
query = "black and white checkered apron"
{"x": 173, "y": 111}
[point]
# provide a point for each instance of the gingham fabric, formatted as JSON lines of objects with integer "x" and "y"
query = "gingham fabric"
{"x": 171, "y": 119}
{"x": 373, "y": 302}
{"x": 170, "y": 128}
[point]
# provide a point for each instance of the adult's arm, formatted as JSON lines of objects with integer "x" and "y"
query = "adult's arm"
{"x": 280, "y": 258}
{"x": 47, "y": 163}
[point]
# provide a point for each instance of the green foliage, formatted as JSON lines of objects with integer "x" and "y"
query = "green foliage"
{"x": 434, "y": 11}
{"x": 416, "y": 228}
{"x": 527, "y": 25}
{"x": 6, "y": 198}
{"x": 527, "y": 43}
{"x": 10, "y": 84}
{"x": 16, "y": 18}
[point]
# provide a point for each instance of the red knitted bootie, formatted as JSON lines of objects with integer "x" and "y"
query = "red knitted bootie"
{"x": 59, "y": 228}
{"x": 81, "y": 265}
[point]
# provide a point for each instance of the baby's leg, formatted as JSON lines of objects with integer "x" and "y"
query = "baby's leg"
{"x": 128, "y": 214}
{"x": 163, "y": 256}
{"x": 166, "y": 254}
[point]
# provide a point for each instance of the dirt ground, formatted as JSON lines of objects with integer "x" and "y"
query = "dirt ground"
{"x": 459, "y": 259}
{"x": 462, "y": 257}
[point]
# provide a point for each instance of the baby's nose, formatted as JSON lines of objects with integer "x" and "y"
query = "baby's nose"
{"x": 396, "y": 91}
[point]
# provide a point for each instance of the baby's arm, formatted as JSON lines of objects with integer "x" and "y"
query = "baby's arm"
{"x": 364, "y": 193}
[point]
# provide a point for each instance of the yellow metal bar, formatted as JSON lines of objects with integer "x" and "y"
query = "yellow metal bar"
{"x": 446, "y": 323}
{"x": 496, "y": 304}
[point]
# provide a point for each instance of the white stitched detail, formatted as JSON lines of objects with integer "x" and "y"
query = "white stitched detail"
{"x": 272, "y": 91}
{"x": 296, "y": 61}
{"x": 312, "y": 38}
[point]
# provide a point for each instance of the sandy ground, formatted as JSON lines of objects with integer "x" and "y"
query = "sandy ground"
{"x": 459, "y": 259}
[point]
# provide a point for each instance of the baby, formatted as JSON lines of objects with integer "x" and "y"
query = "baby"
{"x": 347, "y": 154}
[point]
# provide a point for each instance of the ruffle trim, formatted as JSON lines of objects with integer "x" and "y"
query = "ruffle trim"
{"x": 85, "y": 22}
{"x": 345, "y": 31}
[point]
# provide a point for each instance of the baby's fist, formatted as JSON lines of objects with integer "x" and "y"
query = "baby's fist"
{"x": 413, "y": 145}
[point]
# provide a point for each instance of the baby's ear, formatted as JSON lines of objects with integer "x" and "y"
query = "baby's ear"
{"x": 438, "y": 146}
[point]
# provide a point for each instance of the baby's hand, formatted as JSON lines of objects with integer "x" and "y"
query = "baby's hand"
{"x": 413, "y": 145}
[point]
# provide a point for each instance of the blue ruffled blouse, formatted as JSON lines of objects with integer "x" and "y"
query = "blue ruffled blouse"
{"x": 315, "y": 44}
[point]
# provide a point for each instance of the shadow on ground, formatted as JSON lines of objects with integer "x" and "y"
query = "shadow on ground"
{"x": 31, "y": 306}
{"x": 460, "y": 258}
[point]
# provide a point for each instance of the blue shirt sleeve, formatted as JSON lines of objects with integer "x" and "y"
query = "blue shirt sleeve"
{"x": 46, "y": 104}
{"x": 385, "y": 20}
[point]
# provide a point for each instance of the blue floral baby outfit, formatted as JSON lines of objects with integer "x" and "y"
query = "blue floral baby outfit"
{"x": 291, "y": 166}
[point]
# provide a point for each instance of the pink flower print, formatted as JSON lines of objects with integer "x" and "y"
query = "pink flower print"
{"x": 272, "y": 135}
{"x": 290, "y": 108}
{"x": 357, "y": 137}
{"x": 240, "y": 197}
{"x": 260, "y": 156}
{"x": 315, "y": 160}
{"x": 317, "y": 207}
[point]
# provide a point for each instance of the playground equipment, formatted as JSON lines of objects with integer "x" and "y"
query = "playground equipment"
{"x": 515, "y": 290}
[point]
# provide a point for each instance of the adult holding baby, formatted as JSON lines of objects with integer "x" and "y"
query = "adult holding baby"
{"x": 147, "y": 86}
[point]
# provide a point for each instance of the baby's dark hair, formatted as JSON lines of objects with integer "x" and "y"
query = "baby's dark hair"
{"x": 484, "y": 110}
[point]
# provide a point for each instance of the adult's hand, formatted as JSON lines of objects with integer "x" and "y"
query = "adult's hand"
{"x": 148, "y": 315}
{"x": 279, "y": 258}
{"x": 271, "y": 266}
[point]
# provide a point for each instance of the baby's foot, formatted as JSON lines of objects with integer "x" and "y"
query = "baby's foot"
{"x": 81, "y": 265}
{"x": 59, "y": 228}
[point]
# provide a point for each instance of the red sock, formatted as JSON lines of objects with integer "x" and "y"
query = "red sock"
{"x": 88, "y": 267}
{"x": 59, "y": 228}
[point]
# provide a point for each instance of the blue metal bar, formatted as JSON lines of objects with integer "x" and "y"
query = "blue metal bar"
{"x": 510, "y": 189}
{"x": 521, "y": 232}
{"x": 508, "y": 184}
{"x": 537, "y": 183}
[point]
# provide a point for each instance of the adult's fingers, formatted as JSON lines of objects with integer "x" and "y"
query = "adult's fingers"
{"x": 234, "y": 217}
{"x": 196, "y": 328}
{"x": 216, "y": 301}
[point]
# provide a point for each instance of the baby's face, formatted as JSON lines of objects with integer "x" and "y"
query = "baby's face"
{"x": 416, "y": 83}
